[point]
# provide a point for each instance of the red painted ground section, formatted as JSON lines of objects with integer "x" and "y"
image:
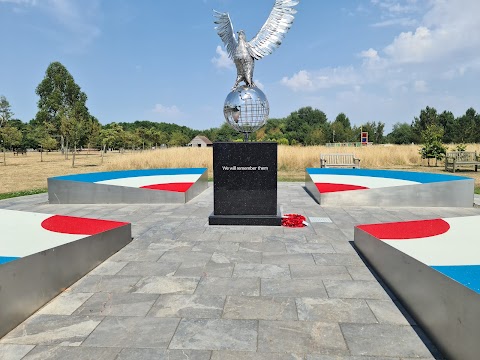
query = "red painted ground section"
{"x": 331, "y": 187}
{"x": 79, "y": 226}
{"x": 176, "y": 187}
{"x": 407, "y": 229}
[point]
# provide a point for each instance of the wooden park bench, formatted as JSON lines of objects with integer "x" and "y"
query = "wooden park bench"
{"x": 339, "y": 160}
{"x": 456, "y": 159}
{"x": 18, "y": 151}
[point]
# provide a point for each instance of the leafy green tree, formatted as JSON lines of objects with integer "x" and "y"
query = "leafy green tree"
{"x": 428, "y": 116}
{"x": 448, "y": 122}
{"x": 5, "y": 115}
{"x": 467, "y": 127}
{"x": 433, "y": 147}
{"x": 401, "y": 134}
{"x": 5, "y": 111}
{"x": 344, "y": 120}
{"x": 61, "y": 100}
{"x": 10, "y": 136}
{"x": 375, "y": 132}
{"x": 178, "y": 139}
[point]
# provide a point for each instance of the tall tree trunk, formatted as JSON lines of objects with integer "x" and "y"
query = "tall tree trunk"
{"x": 74, "y": 152}
{"x": 4, "y": 158}
{"x": 41, "y": 154}
{"x": 103, "y": 151}
{"x": 66, "y": 150}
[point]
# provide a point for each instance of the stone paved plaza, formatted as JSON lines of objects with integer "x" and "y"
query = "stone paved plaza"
{"x": 185, "y": 290}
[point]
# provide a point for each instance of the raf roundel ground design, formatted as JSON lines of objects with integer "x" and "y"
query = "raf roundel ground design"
{"x": 363, "y": 187}
{"x": 41, "y": 254}
{"x": 129, "y": 187}
{"x": 434, "y": 268}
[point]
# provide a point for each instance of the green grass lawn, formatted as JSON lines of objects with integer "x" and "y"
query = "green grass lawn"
{"x": 477, "y": 190}
{"x": 22, "y": 193}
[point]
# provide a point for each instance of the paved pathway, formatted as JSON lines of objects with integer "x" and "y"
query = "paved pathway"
{"x": 186, "y": 290}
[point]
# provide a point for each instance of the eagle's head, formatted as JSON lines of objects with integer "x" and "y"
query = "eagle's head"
{"x": 241, "y": 35}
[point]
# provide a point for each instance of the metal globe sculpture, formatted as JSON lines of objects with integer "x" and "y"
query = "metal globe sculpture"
{"x": 246, "y": 109}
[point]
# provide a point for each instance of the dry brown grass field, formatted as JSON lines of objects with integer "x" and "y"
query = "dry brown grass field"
{"x": 26, "y": 172}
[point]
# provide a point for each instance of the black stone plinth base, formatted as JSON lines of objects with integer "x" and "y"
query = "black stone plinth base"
{"x": 255, "y": 220}
{"x": 245, "y": 184}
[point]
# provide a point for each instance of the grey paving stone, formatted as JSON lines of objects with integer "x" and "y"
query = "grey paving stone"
{"x": 113, "y": 304}
{"x": 65, "y": 303}
{"x": 264, "y": 271}
{"x": 105, "y": 283}
{"x": 229, "y": 230}
{"x": 216, "y": 334}
{"x": 332, "y": 357}
{"x": 319, "y": 272}
{"x": 259, "y": 307}
{"x": 238, "y": 257}
{"x": 189, "y": 258}
{"x": 215, "y": 246}
{"x": 243, "y": 355}
{"x": 286, "y": 237}
{"x": 13, "y": 351}
{"x": 345, "y": 289}
{"x": 133, "y": 254}
{"x": 166, "y": 285}
{"x": 160, "y": 354}
{"x": 108, "y": 268}
{"x": 314, "y": 248}
{"x": 141, "y": 268}
{"x": 229, "y": 286}
{"x": 53, "y": 330}
{"x": 338, "y": 259}
{"x": 299, "y": 337}
{"x": 170, "y": 245}
{"x": 211, "y": 269}
{"x": 265, "y": 246}
{"x": 360, "y": 273}
{"x": 133, "y": 332}
{"x": 334, "y": 310}
{"x": 200, "y": 236}
{"x": 294, "y": 288}
{"x": 188, "y": 306}
{"x": 384, "y": 340}
{"x": 71, "y": 352}
{"x": 282, "y": 259}
{"x": 387, "y": 312}
{"x": 236, "y": 237}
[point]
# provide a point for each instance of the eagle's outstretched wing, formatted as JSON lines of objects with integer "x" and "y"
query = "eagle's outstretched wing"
{"x": 273, "y": 31}
{"x": 225, "y": 31}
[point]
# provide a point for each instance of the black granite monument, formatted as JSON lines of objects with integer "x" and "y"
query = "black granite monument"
{"x": 245, "y": 184}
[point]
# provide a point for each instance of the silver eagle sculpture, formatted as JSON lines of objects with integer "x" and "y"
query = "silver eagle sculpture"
{"x": 269, "y": 38}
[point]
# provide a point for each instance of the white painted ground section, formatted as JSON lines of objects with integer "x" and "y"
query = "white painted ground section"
{"x": 140, "y": 181}
{"x": 458, "y": 246}
{"x": 23, "y": 235}
{"x": 365, "y": 181}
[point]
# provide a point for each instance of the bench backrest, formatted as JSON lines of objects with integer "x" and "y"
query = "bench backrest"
{"x": 338, "y": 159}
{"x": 462, "y": 155}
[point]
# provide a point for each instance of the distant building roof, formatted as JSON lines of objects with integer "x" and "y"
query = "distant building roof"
{"x": 203, "y": 138}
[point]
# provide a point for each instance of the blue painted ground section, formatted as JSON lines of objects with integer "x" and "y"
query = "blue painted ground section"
{"x": 111, "y": 175}
{"x": 5, "y": 259}
{"x": 420, "y": 177}
{"x": 467, "y": 275}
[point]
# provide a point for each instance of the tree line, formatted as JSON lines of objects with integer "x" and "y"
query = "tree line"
{"x": 63, "y": 121}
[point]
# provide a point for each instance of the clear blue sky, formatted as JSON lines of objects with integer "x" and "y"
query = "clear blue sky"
{"x": 375, "y": 60}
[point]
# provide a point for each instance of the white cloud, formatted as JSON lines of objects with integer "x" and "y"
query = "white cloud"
{"x": 20, "y": 2}
{"x": 259, "y": 84}
{"x": 166, "y": 110}
{"x": 222, "y": 61}
{"x": 424, "y": 65}
{"x": 322, "y": 79}
{"x": 76, "y": 17}
{"x": 420, "y": 86}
